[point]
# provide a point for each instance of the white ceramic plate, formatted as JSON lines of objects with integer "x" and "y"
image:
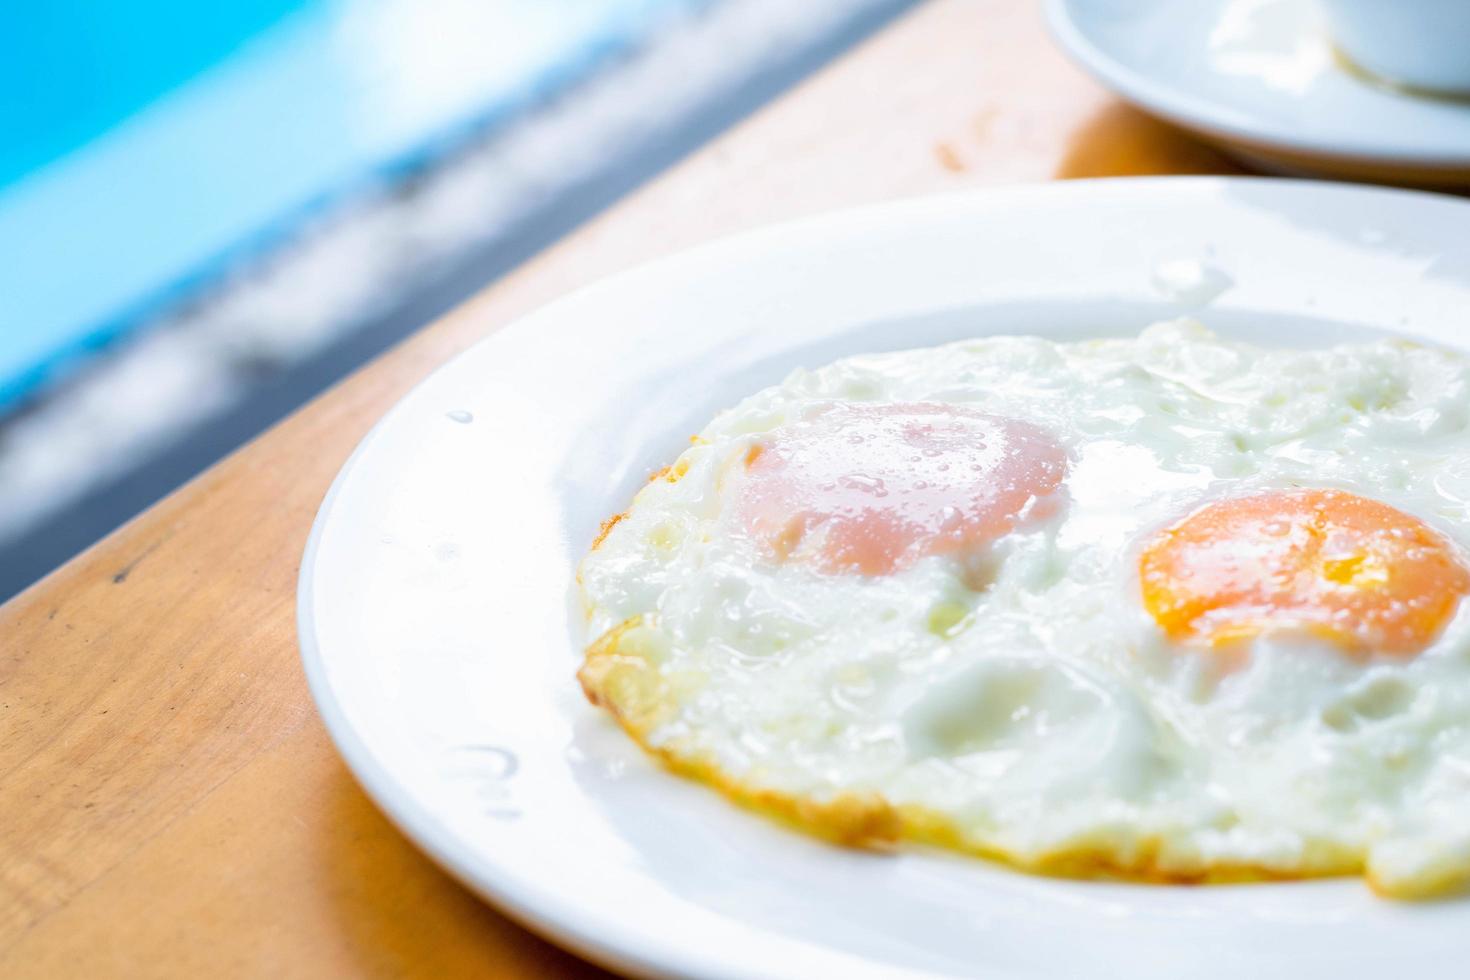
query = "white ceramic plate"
{"x": 434, "y": 606}
{"x": 1260, "y": 77}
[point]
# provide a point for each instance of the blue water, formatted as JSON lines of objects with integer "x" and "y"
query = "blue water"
{"x": 148, "y": 143}
{"x": 76, "y": 69}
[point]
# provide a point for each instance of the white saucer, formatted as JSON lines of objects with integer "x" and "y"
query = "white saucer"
{"x": 1260, "y": 78}
{"x": 434, "y": 597}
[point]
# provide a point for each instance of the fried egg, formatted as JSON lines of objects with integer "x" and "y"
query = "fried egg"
{"x": 1167, "y": 607}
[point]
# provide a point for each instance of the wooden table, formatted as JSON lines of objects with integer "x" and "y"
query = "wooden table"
{"x": 170, "y": 803}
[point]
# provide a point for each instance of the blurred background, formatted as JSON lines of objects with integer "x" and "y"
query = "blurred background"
{"x": 211, "y": 212}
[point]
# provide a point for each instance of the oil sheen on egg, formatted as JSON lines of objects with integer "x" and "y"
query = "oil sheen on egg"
{"x": 1167, "y": 607}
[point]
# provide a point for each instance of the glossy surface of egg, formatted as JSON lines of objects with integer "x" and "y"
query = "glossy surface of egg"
{"x": 1169, "y": 607}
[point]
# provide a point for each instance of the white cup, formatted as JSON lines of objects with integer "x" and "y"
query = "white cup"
{"x": 1423, "y": 44}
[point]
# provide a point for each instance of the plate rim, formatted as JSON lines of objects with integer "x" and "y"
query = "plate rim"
{"x": 1220, "y": 121}
{"x": 543, "y": 911}
{"x": 405, "y": 813}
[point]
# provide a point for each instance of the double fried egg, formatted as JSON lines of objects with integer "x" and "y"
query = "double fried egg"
{"x": 1169, "y": 607}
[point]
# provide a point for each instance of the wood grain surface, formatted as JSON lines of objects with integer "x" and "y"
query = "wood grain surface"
{"x": 170, "y": 803}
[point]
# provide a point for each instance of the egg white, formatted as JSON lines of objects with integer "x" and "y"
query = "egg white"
{"x": 1042, "y": 717}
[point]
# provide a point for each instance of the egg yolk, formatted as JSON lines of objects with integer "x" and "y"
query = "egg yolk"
{"x": 873, "y": 488}
{"x": 1356, "y": 571}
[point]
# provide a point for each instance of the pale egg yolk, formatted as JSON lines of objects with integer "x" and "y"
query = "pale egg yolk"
{"x": 1359, "y": 572}
{"x": 873, "y": 488}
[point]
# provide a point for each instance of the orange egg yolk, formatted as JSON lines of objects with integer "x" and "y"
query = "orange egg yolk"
{"x": 1359, "y": 572}
{"x": 873, "y": 488}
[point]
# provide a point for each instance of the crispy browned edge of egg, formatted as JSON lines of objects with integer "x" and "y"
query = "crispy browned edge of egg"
{"x": 867, "y": 821}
